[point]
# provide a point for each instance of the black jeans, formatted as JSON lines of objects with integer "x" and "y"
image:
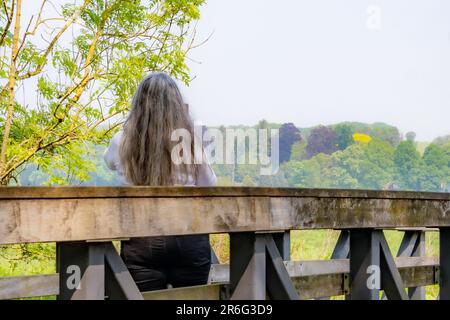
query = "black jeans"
{"x": 155, "y": 262}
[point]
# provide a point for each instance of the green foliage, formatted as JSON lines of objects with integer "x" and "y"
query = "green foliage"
{"x": 84, "y": 86}
{"x": 369, "y": 164}
{"x": 376, "y": 130}
{"x": 421, "y": 146}
{"x": 377, "y": 164}
{"x": 94, "y": 171}
{"x": 298, "y": 150}
{"x": 248, "y": 181}
{"x": 27, "y": 259}
{"x": 374, "y": 165}
{"x": 312, "y": 173}
{"x": 408, "y": 166}
{"x": 436, "y": 173}
{"x": 344, "y": 134}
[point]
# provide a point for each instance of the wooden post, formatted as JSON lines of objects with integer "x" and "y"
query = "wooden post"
{"x": 444, "y": 263}
{"x": 81, "y": 269}
{"x": 247, "y": 266}
{"x": 372, "y": 267}
{"x": 257, "y": 268}
{"x": 93, "y": 271}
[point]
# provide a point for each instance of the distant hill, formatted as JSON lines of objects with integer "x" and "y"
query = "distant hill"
{"x": 378, "y": 130}
{"x": 442, "y": 140}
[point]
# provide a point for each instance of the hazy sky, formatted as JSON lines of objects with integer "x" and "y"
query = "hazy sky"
{"x": 324, "y": 61}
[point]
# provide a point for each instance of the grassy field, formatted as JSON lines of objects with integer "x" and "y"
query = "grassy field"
{"x": 305, "y": 245}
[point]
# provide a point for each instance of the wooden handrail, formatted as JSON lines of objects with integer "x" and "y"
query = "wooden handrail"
{"x": 80, "y": 218}
{"x": 183, "y": 192}
{"x": 95, "y": 213}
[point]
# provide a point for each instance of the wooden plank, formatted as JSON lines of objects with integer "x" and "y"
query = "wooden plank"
{"x": 418, "y": 229}
{"x": 29, "y": 286}
{"x": 317, "y": 267}
{"x": 206, "y": 292}
{"x": 309, "y": 287}
{"x": 406, "y": 262}
{"x": 320, "y": 286}
{"x": 148, "y": 192}
{"x": 219, "y": 273}
{"x": 58, "y": 220}
{"x": 314, "y": 279}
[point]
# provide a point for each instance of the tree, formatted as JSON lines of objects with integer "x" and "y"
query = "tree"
{"x": 385, "y": 132}
{"x": 84, "y": 85}
{"x": 344, "y": 134}
{"x": 298, "y": 150}
{"x": 310, "y": 173}
{"x": 442, "y": 140}
{"x": 263, "y": 124}
{"x": 446, "y": 148}
{"x": 376, "y": 130}
{"x": 408, "y": 166}
{"x": 410, "y": 136}
{"x": 436, "y": 173}
{"x": 321, "y": 140}
{"x": 370, "y": 165}
{"x": 289, "y": 135}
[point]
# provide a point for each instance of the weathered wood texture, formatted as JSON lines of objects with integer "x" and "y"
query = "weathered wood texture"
{"x": 29, "y": 286}
{"x": 71, "y": 214}
{"x": 149, "y": 192}
{"x": 312, "y": 279}
{"x": 206, "y": 292}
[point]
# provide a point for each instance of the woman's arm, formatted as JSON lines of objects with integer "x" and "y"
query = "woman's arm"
{"x": 206, "y": 176}
{"x": 111, "y": 155}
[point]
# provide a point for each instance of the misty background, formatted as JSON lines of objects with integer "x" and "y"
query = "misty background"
{"x": 323, "y": 62}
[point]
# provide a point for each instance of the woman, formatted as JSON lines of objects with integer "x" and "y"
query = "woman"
{"x": 141, "y": 154}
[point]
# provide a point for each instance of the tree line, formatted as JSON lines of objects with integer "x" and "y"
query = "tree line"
{"x": 346, "y": 155}
{"x": 350, "y": 155}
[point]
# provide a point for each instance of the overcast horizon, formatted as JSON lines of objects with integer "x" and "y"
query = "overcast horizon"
{"x": 323, "y": 62}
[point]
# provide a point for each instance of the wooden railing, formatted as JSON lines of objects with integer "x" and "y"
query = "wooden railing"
{"x": 84, "y": 221}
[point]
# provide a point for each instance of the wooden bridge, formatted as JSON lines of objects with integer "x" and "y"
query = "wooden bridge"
{"x": 84, "y": 221}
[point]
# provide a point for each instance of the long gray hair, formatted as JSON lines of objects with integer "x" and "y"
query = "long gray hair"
{"x": 157, "y": 110}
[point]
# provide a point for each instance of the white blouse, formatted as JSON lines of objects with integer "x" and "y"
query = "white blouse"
{"x": 206, "y": 176}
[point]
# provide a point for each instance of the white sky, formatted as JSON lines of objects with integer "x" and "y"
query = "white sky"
{"x": 323, "y": 61}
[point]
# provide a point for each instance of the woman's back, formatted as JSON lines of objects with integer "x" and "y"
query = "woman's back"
{"x": 142, "y": 154}
{"x": 206, "y": 176}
